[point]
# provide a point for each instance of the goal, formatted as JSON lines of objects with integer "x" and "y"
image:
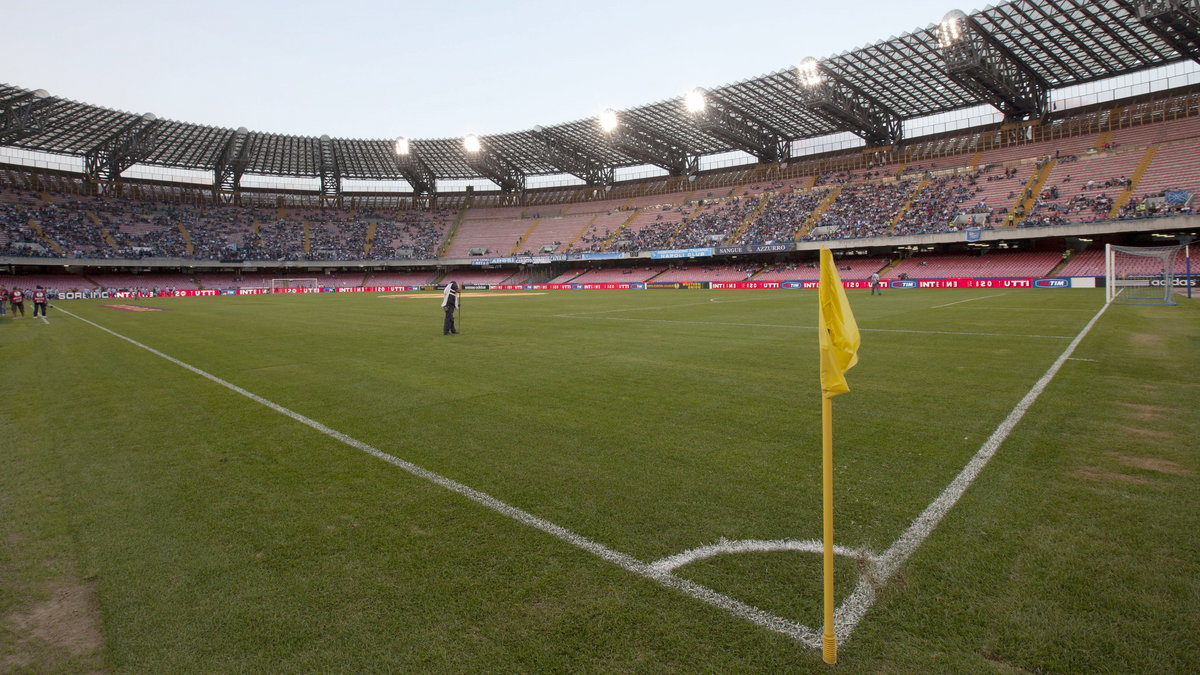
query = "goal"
{"x": 280, "y": 284}
{"x": 1140, "y": 275}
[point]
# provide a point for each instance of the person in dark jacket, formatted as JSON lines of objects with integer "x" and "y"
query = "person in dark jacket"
{"x": 39, "y": 302}
{"x": 17, "y": 299}
{"x": 449, "y": 305}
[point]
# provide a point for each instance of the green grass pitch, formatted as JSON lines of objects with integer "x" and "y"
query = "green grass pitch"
{"x": 157, "y": 521}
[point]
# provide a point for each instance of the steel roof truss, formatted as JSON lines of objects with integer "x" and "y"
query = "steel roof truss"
{"x": 983, "y": 65}
{"x": 567, "y": 155}
{"x": 497, "y": 169}
{"x": 1177, "y": 22}
{"x": 645, "y": 144}
{"x": 24, "y": 116}
{"x": 850, "y": 109}
{"x": 129, "y": 145}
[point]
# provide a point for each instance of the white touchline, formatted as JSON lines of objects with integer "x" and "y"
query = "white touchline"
{"x": 848, "y": 614}
{"x": 798, "y": 632}
{"x": 958, "y": 302}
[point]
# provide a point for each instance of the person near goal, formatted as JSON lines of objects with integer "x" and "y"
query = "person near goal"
{"x": 449, "y": 304}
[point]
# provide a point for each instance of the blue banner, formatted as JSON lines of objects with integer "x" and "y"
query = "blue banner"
{"x": 973, "y": 233}
{"x": 682, "y": 253}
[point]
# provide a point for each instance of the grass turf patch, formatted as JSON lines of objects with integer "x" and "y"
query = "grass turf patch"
{"x": 221, "y": 535}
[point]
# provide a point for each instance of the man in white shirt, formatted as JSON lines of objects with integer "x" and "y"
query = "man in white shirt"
{"x": 449, "y": 305}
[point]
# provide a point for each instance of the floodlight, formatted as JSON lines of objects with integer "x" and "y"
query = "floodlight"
{"x": 471, "y": 143}
{"x": 242, "y": 131}
{"x": 694, "y": 101}
{"x": 608, "y": 120}
{"x": 149, "y": 117}
{"x": 809, "y": 72}
{"x": 951, "y": 28}
{"x": 402, "y": 146}
{"x": 41, "y": 93}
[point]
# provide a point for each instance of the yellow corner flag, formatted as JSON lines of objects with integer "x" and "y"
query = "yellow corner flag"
{"x": 837, "y": 330}
{"x": 839, "y": 340}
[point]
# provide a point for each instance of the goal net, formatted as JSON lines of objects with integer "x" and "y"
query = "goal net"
{"x": 1140, "y": 275}
{"x": 280, "y": 284}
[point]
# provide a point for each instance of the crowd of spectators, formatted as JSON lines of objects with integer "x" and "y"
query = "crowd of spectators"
{"x": 781, "y": 218}
{"x": 870, "y": 204}
{"x": 126, "y": 228}
{"x": 863, "y": 210}
{"x": 945, "y": 198}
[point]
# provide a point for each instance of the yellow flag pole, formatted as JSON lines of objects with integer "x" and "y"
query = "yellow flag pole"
{"x": 838, "y": 337}
{"x": 829, "y": 640}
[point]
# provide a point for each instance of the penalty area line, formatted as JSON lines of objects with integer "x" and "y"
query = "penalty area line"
{"x": 803, "y": 634}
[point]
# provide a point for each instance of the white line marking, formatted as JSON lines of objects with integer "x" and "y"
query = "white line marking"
{"x": 847, "y": 616}
{"x": 794, "y": 326}
{"x": 1088, "y": 360}
{"x": 883, "y": 567}
{"x": 801, "y": 633}
{"x": 725, "y": 546}
{"x": 959, "y": 302}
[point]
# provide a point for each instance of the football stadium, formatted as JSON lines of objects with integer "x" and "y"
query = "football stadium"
{"x": 884, "y": 361}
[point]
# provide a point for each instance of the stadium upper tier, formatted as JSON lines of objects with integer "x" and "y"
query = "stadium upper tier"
{"x": 1009, "y": 56}
{"x": 1136, "y": 172}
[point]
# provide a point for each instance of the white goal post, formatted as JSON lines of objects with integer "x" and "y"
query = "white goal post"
{"x": 1140, "y": 275}
{"x": 277, "y": 284}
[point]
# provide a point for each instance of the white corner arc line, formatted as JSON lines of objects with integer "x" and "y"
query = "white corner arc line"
{"x": 884, "y": 566}
{"x": 725, "y": 546}
{"x": 798, "y": 632}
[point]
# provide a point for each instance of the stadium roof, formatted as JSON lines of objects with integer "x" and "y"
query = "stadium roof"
{"x": 1049, "y": 43}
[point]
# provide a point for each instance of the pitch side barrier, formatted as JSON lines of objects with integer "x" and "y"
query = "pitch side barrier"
{"x": 898, "y": 284}
{"x": 1026, "y": 282}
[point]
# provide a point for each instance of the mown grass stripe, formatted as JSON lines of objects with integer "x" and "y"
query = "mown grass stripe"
{"x": 755, "y": 615}
{"x": 885, "y": 565}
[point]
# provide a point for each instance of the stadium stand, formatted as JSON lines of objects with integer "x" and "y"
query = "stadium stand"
{"x": 399, "y": 278}
{"x": 1075, "y": 171}
{"x": 619, "y": 275}
{"x": 712, "y": 272}
{"x": 994, "y": 264}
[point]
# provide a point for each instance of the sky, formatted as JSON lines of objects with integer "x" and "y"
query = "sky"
{"x": 375, "y": 70}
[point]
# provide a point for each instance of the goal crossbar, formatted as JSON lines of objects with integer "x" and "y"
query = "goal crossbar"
{"x": 1140, "y": 275}
{"x": 309, "y": 282}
